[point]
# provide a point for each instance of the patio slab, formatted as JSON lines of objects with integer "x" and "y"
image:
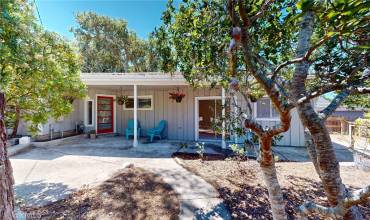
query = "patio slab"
{"x": 299, "y": 154}
{"x": 50, "y": 172}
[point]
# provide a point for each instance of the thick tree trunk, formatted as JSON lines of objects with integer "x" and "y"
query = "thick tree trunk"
{"x": 6, "y": 172}
{"x": 16, "y": 122}
{"x": 326, "y": 162}
{"x": 267, "y": 165}
{"x": 311, "y": 150}
{"x": 326, "y": 159}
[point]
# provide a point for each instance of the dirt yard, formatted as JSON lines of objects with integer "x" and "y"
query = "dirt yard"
{"x": 132, "y": 194}
{"x": 241, "y": 185}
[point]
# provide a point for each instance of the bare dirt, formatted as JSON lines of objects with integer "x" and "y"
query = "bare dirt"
{"x": 241, "y": 185}
{"x": 132, "y": 194}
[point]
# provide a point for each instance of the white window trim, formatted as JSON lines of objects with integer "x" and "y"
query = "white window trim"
{"x": 264, "y": 119}
{"x": 141, "y": 109}
{"x": 86, "y": 113}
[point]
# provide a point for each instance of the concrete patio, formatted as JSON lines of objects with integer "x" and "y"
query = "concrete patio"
{"x": 49, "y": 172}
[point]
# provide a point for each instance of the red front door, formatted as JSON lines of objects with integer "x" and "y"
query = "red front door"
{"x": 105, "y": 114}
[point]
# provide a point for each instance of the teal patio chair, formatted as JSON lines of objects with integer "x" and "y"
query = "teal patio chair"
{"x": 157, "y": 131}
{"x": 130, "y": 128}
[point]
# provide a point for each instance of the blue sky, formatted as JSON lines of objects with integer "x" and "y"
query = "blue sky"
{"x": 142, "y": 15}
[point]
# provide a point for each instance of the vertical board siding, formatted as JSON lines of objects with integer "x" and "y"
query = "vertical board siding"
{"x": 180, "y": 117}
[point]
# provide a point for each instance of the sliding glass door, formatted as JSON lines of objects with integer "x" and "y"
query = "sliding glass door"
{"x": 209, "y": 119}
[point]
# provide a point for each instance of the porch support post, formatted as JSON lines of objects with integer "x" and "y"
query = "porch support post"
{"x": 223, "y": 102}
{"x": 135, "y": 116}
{"x": 235, "y": 112}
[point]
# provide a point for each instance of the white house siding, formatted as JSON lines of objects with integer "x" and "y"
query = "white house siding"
{"x": 294, "y": 136}
{"x": 66, "y": 123}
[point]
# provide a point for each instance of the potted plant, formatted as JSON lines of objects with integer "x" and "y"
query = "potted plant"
{"x": 92, "y": 134}
{"x": 177, "y": 96}
{"x": 121, "y": 100}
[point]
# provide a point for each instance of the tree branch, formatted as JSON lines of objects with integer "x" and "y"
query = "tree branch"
{"x": 300, "y": 59}
{"x": 253, "y": 125}
{"x": 246, "y": 97}
{"x": 262, "y": 10}
{"x": 233, "y": 17}
{"x": 358, "y": 197}
{"x": 257, "y": 73}
{"x": 243, "y": 14}
{"x": 335, "y": 103}
{"x": 311, "y": 150}
{"x": 309, "y": 207}
{"x": 320, "y": 91}
{"x": 284, "y": 126}
{"x": 361, "y": 90}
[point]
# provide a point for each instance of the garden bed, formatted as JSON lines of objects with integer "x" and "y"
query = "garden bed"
{"x": 132, "y": 194}
{"x": 241, "y": 185}
{"x": 196, "y": 156}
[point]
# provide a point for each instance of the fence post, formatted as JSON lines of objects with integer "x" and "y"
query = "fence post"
{"x": 350, "y": 135}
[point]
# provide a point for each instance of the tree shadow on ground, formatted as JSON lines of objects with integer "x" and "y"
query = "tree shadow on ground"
{"x": 131, "y": 194}
{"x": 39, "y": 193}
{"x": 252, "y": 201}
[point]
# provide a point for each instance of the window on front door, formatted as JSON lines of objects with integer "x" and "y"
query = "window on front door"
{"x": 105, "y": 114}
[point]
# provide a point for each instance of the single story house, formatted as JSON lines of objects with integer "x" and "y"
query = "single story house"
{"x": 188, "y": 120}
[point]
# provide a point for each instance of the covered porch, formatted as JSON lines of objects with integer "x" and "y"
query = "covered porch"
{"x": 149, "y": 103}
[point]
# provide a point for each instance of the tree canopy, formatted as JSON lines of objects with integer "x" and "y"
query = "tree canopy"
{"x": 107, "y": 45}
{"x": 40, "y": 70}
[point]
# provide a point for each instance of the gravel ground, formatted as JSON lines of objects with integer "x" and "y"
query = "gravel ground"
{"x": 132, "y": 194}
{"x": 241, "y": 185}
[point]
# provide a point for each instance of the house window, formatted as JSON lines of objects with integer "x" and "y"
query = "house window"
{"x": 265, "y": 109}
{"x": 143, "y": 103}
{"x": 89, "y": 112}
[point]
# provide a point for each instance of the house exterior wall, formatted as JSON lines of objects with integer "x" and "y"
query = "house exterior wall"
{"x": 179, "y": 116}
{"x": 293, "y": 137}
